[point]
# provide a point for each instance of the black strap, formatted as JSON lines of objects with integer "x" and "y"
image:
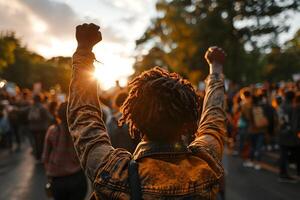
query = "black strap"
{"x": 134, "y": 181}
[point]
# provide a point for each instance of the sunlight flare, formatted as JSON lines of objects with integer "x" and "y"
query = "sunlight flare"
{"x": 112, "y": 70}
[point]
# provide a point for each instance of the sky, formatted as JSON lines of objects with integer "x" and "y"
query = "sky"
{"x": 48, "y": 27}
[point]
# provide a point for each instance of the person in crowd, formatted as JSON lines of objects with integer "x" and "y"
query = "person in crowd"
{"x": 271, "y": 117}
{"x": 296, "y": 130}
{"x": 4, "y": 124}
{"x": 297, "y": 84}
{"x": 13, "y": 119}
{"x": 52, "y": 107}
{"x": 258, "y": 125}
{"x": 243, "y": 111}
{"x": 38, "y": 121}
{"x": 288, "y": 139}
{"x": 23, "y": 105}
{"x": 119, "y": 135}
{"x": 160, "y": 108}
{"x": 235, "y": 113}
{"x": 62, "y": 166}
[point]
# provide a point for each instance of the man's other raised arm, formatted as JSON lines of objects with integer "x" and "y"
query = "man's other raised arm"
{"x": 212, "y": 127}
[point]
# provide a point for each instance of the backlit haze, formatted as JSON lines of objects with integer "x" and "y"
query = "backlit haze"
{"x": 48, "y": 26}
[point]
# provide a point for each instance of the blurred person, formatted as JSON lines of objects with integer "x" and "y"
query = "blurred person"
{"x": 270, "y": 114}
{"x": 252, "y": 125}
{"x": 106, "y": 113}
{"x": 14, "y": 132}
{"x": 119, "y": 135}
{"x": 276, "y": 104}
{"x": 38, "y": 122}
{"x": 230, "y": 125}
{"x": 288, "y": 139}
{"x": 62, "y": 166}
{"x": 243, "y": 110}
{"x": 160, "y": 108}
{"x": 23, "y": 105}
{"x": 258, "y": 125}
{"x": 235, "y": 116}
{"x": 106, "y": 107}
{"x": 52, "y": 107}
{"x": 4, "y": 125}
{"x": 296, "y": 130}
{"x": 298, "y": 85}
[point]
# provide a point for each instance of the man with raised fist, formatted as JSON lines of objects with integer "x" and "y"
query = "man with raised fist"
{"x": 160, "y": 110}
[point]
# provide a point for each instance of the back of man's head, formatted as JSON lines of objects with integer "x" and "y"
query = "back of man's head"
{"x": 160, "y": 106}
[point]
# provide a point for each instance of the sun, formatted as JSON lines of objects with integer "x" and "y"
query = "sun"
{"x": 112, "y": 68}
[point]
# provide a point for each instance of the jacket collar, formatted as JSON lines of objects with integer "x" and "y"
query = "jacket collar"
{"x": 146, "y": 148}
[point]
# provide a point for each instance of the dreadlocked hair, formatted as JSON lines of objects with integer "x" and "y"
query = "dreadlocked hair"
{"x": 159, "y": 104}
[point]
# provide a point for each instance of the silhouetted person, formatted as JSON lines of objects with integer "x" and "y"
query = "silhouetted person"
{"x": 160, "y": 109}
{"x": 119, "y": 135}
{"x": 38, "y": 121}
{"x": 62, "y": 166}
{"x": 288, "y": 139}
{"x": 4, "y": 124}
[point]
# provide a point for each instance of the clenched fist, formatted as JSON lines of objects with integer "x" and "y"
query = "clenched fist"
{"x": 215, "y": 54}
{"x": 215, "y": 57}
{"x": 87, "y": 35}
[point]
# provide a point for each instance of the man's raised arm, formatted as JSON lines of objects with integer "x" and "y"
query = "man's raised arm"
{"x": 212, "y": 127}
{"x": 85, "y": 122}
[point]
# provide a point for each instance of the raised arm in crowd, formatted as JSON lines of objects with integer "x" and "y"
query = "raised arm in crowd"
{"x": 160, "y": 109}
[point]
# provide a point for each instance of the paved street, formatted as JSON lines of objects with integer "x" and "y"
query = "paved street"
{"x": 249, "y": 184}
{"x": 22, "y": 179}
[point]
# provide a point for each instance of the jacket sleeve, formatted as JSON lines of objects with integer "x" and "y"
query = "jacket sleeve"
{"x": 212, "y": 127}
{"x": 86, "y": 126}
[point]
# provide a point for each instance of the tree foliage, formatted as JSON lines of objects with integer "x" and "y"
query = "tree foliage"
{"x": 183, "y": 29}
{"x": 8, "y": 44}
{"x": 19, "y": 65}
{"x": 281, "y": 63}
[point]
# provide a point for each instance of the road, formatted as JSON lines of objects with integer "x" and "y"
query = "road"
{"x": 22, "y": 178}
{"x": 249, "y": 184}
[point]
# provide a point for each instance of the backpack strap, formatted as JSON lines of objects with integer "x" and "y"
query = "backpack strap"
{"x": 134, "y": 181}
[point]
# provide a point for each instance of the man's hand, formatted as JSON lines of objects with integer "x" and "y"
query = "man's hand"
{"x": 215, "y": 57}
{"x": 87, "y": 35}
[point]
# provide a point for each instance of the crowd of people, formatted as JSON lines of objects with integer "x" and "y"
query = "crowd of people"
{"x": 264, "y": 118}
{"x": 162, "y": 122}
{"x": 41, "y": 120}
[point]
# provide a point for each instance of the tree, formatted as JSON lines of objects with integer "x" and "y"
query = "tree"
{"x": 184, "y": 29}
{"x": 26, "y": 68}
{"x": 61, "y": 67}
{"x": 282, "y": 63}
{"x": 8, "y": 44}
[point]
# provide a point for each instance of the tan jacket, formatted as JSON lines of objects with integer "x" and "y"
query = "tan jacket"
{"x": 166, "y": 172}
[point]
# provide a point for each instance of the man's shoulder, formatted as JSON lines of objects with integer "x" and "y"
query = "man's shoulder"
{"x": 176, "y": 175}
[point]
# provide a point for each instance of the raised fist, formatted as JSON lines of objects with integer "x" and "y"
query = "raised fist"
{"x": 87, "y": 35}
{"x": 215, "y": 54}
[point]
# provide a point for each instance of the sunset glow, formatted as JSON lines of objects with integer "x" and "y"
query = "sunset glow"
{"x": 112, "y": 68}
{"x": 50, "y": 27}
